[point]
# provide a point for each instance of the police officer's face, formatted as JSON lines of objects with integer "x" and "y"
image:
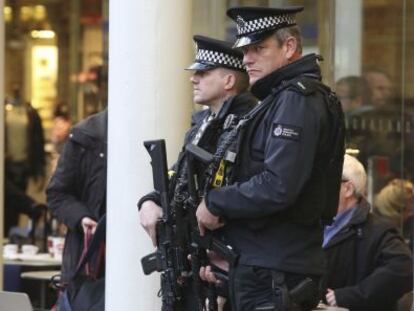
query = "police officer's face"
{"x": 264, "y": 57}
{"x": 208, "y": 86}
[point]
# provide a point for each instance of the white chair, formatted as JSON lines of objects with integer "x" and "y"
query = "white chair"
{"x": 13, "y": 301}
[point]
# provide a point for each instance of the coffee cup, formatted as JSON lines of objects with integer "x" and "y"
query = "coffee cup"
{"x": 29, "y": 249}
{"x": 10, "y": 249}
{"x": 57, "y": 245}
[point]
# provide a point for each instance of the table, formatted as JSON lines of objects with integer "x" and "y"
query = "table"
{"x": 323, "y": 307}
{"x": 44, "y": 277}
{"x": 15, "y": 265}
{"x": 37, "y": 260}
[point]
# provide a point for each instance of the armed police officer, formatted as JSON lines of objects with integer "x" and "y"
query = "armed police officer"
{"x": 220, "y": 83}
{"x": 284, "y": 172}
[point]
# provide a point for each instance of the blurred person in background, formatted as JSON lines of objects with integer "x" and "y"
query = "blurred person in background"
{"x": 380, "y": 87}
{"x": 76, "y": 194}
{"x": 352, "y": 92}
{"x": 17, "y": 202}
{"x": 378, "y": 130}
{"x": 59, "y": 134}
{"x": 395, "y": 202}
{"x": 61, "y": 127}
{"x": 24, "y": 143}
{"x": 24, "y": 162}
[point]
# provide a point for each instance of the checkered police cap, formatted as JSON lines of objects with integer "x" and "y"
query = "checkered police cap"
{"x": 213, "y": 53}
{"x": 256, "y": 23}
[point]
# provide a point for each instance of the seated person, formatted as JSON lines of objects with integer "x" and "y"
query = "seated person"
{"x": 369, "y": 265}
{"x": 395, "y": 202}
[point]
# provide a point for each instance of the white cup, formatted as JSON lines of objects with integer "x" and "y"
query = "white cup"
{"x": 10, "y": 249}
{"x": 29, "y": 249}
{"x": 58, "y": 244}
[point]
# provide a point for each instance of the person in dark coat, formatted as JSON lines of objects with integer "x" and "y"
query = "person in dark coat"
{"x": 17, "y": 202}
{"x": 76, "y": 194}
{"x": 25, "y": 157}
{"x": 220, "y": 83}
{"x": 369, "y": 265}
{"x": 286, "y": 176}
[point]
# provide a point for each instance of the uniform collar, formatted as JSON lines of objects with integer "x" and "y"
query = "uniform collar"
{"x": 306, "y": 65}
{"x": 359, "y": 216}
{"x": 237, "y": 105}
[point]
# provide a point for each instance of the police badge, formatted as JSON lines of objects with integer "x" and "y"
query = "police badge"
{"x": 241, "y": 23}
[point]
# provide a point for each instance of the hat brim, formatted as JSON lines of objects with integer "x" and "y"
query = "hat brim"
{"x": 201, "y": 66}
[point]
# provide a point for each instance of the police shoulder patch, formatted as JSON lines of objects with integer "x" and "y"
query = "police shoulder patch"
{"x": 287, "y": 131}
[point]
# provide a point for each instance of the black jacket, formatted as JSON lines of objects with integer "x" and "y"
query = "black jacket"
{"x": 369, "y": 265}
{"x": 280, "y": 186}
{"x": 237, "y": 105}
{"x": 37, "y": 157}
{"x": 15, "y": 202}
{"x": 78, "y": 187}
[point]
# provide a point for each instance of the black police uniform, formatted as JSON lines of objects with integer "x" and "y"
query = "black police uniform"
{"x": 236, "y": 107}
{"x": 207, "y": 128}
{"x": 286, "y": 176}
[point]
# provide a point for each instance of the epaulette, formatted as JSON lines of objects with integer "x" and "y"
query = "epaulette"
{"x": 304, "y": 86}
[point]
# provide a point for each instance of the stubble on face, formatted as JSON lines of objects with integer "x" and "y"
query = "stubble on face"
{"x": 263, "y": 58}
{"x": 208, "y": 87}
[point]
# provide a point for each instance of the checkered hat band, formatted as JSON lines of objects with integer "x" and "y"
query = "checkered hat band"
{"x": 265, "y": 23}
{"x": 219, "y": 58}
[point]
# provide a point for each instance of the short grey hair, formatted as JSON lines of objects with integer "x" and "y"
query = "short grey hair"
{"x": 283, "y": 34}
{"x": 354, "y": 171}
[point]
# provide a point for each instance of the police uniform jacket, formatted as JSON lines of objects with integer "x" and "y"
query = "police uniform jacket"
{"x": 272, "y": 209}
{"x": 369, "y": 265}
{"x": 237, "y": 105}
{"x": 78, "y": 187}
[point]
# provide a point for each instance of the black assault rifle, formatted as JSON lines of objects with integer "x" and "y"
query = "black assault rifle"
{"x": 178, "y": 235}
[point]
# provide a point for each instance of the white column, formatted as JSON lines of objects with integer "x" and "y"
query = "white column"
{"x": 348, "y": 38}
{"x": 2, "y": 125}
{"x": 149, "y": 98}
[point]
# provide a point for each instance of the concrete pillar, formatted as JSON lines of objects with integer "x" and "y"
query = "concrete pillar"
{"x": 348, "y": 38}
{"x": 2, "y": 34}
{"x": 149, "y": 98}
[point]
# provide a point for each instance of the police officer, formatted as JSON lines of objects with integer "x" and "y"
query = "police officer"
{"x": 286, "y": 176}
{"x": 219, "y": 82}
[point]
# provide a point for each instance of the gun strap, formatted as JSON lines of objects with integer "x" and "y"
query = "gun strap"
{"x": 201, "y": 130}
{"x": 217, "y": 168}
